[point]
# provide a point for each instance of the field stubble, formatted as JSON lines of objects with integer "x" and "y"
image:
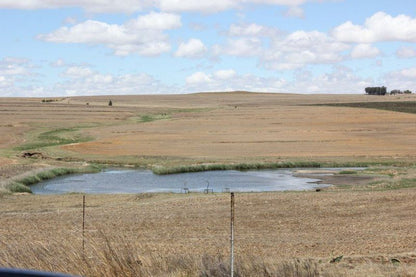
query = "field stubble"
{"x": 184, "y": 231}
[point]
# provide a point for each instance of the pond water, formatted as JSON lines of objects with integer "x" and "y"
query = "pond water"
{"x": 140, "y": 181}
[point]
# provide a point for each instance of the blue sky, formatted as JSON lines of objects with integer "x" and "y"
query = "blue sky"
{"x": 78, "y": 47}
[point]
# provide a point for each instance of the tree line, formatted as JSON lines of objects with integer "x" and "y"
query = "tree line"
{"x": 383, "y": 91}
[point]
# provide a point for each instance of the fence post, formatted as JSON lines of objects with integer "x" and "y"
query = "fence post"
{"x": 83, "y": 223}
{"x": 232, "y": 236}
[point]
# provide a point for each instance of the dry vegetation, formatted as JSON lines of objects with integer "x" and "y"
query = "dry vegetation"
{"x": 368, "y": 219}
{"x": 187, "y": 235}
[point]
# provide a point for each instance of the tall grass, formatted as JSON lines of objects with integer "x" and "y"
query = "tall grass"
{"x": 22, "y": 185}
{"x": 240, "y": 166}
{"x": 104, "y": 256}
{"x": 162, "y": 170}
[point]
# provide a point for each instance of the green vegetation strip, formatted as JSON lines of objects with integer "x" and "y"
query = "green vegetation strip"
{"x": 22, "y": 185}
{"x": 54, "y": 138}
{"x": 404, "y": 106}
{"x": 163, "y": 170}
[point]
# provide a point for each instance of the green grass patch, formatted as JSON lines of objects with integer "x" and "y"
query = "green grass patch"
{"x": 393, "y": 185}
{"x": 348, "y": 172}
{"x": 55, "y": 137}
{"x": 150, "y": 117}
{"x": 18, "y": 187}
{"x": 404, "y": 106}
{"x": 161, "y": 170}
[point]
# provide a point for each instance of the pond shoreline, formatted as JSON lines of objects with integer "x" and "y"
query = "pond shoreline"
{"x": 145, "y": 181}
{"x": 17, "y": 185}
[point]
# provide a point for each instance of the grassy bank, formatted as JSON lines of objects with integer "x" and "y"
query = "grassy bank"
{"x": 55, "y": 138}
{"x": 22, "y": 185}
{"x": 162, "y": 170}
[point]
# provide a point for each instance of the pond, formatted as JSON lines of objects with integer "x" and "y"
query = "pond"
{"x": 144, "y": 181}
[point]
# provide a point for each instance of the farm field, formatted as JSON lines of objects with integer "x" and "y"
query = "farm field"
{"x": 368, "y": 218}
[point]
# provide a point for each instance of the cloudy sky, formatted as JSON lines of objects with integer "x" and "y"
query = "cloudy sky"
{"x": 93, "y": 47}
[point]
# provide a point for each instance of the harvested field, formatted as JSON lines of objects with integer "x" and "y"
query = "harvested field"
{"x": 209, "y": 128}
{"x": 367, "y": 218}
{"x": 367, "y": 228}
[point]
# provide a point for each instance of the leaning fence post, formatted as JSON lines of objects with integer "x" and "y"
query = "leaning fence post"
{"x": 83, "y": 222}
{"x": 232, "y": 236}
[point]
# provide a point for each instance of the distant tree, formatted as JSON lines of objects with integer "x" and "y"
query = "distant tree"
{"x": 376, "y": 90}
{"x": 110, "y": 103}
{"x": 407, "y": 91}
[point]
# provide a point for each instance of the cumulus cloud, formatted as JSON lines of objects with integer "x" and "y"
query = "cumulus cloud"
{"x": 198, "y": 78}
{"x": 406, "y": 52}
{"x": 131, "y": 6}
{"x": 294, "y": 11}
{"x": 339, "y": 80}
{"x": 301, "y": 48}
{"x": 96, "y": 6}
{"x": 361, "y": 51}
{"x": 78, "y": 72}
{"x": 193, "y": 48}
{"x": 379, "y": 27}
{"x": 224, "y": 74}
{"x": 229, "y": 80}
{"x": 143, "y": 35}
{"x": 82, "y": 80}
{"x": 244, "y": 47}
{"x": 16, "y": 75}
{"x": 252, "y": 30}
{"x": 401, "y": 79}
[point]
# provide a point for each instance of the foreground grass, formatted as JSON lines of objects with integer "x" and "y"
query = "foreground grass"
{"x": 116, "y": 256}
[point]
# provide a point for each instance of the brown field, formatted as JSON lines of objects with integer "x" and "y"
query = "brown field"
{"x": 367, "y": 219}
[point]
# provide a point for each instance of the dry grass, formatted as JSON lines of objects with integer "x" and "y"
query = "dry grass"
{"x": 187, "y": 235}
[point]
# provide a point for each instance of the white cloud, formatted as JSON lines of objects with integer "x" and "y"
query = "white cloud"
{"x": 15, "y": 76}
{"x": 245, "y": 47}
{"x": 229, "y": 80}
{"x": 406, "y": 52}
{"x": 340, "y": 80}
{"x": 224, "y": 74}
{"x": 84, "y": 81}
{"x": 301, "y": 48}
{"x": 192, "y": 49}
{"x": 132, "y": 6}
{"x": 58, "y": 63}
{"x": 401, "y": 79}
{"x": 197, "y": 78}
{"x": 295, "y": 11}
{"x": 155, "y": 21}
{"x": 361, "y": 51}
{"x": 379, "y": 27}
{"x": 253, "y": 30}
{"x": 136, "y": 36}
{"x": 96, "y": 6}
{"x": 194, "y": 5}
{"x": 78, "y": 72}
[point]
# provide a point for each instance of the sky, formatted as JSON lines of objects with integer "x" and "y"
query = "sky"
{"x": 106, "y": 47}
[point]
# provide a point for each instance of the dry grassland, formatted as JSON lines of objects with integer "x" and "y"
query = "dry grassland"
{"x": 367, "y": 228}
{"x": 207, "y": 128}
{"x": 277, "y": 234}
